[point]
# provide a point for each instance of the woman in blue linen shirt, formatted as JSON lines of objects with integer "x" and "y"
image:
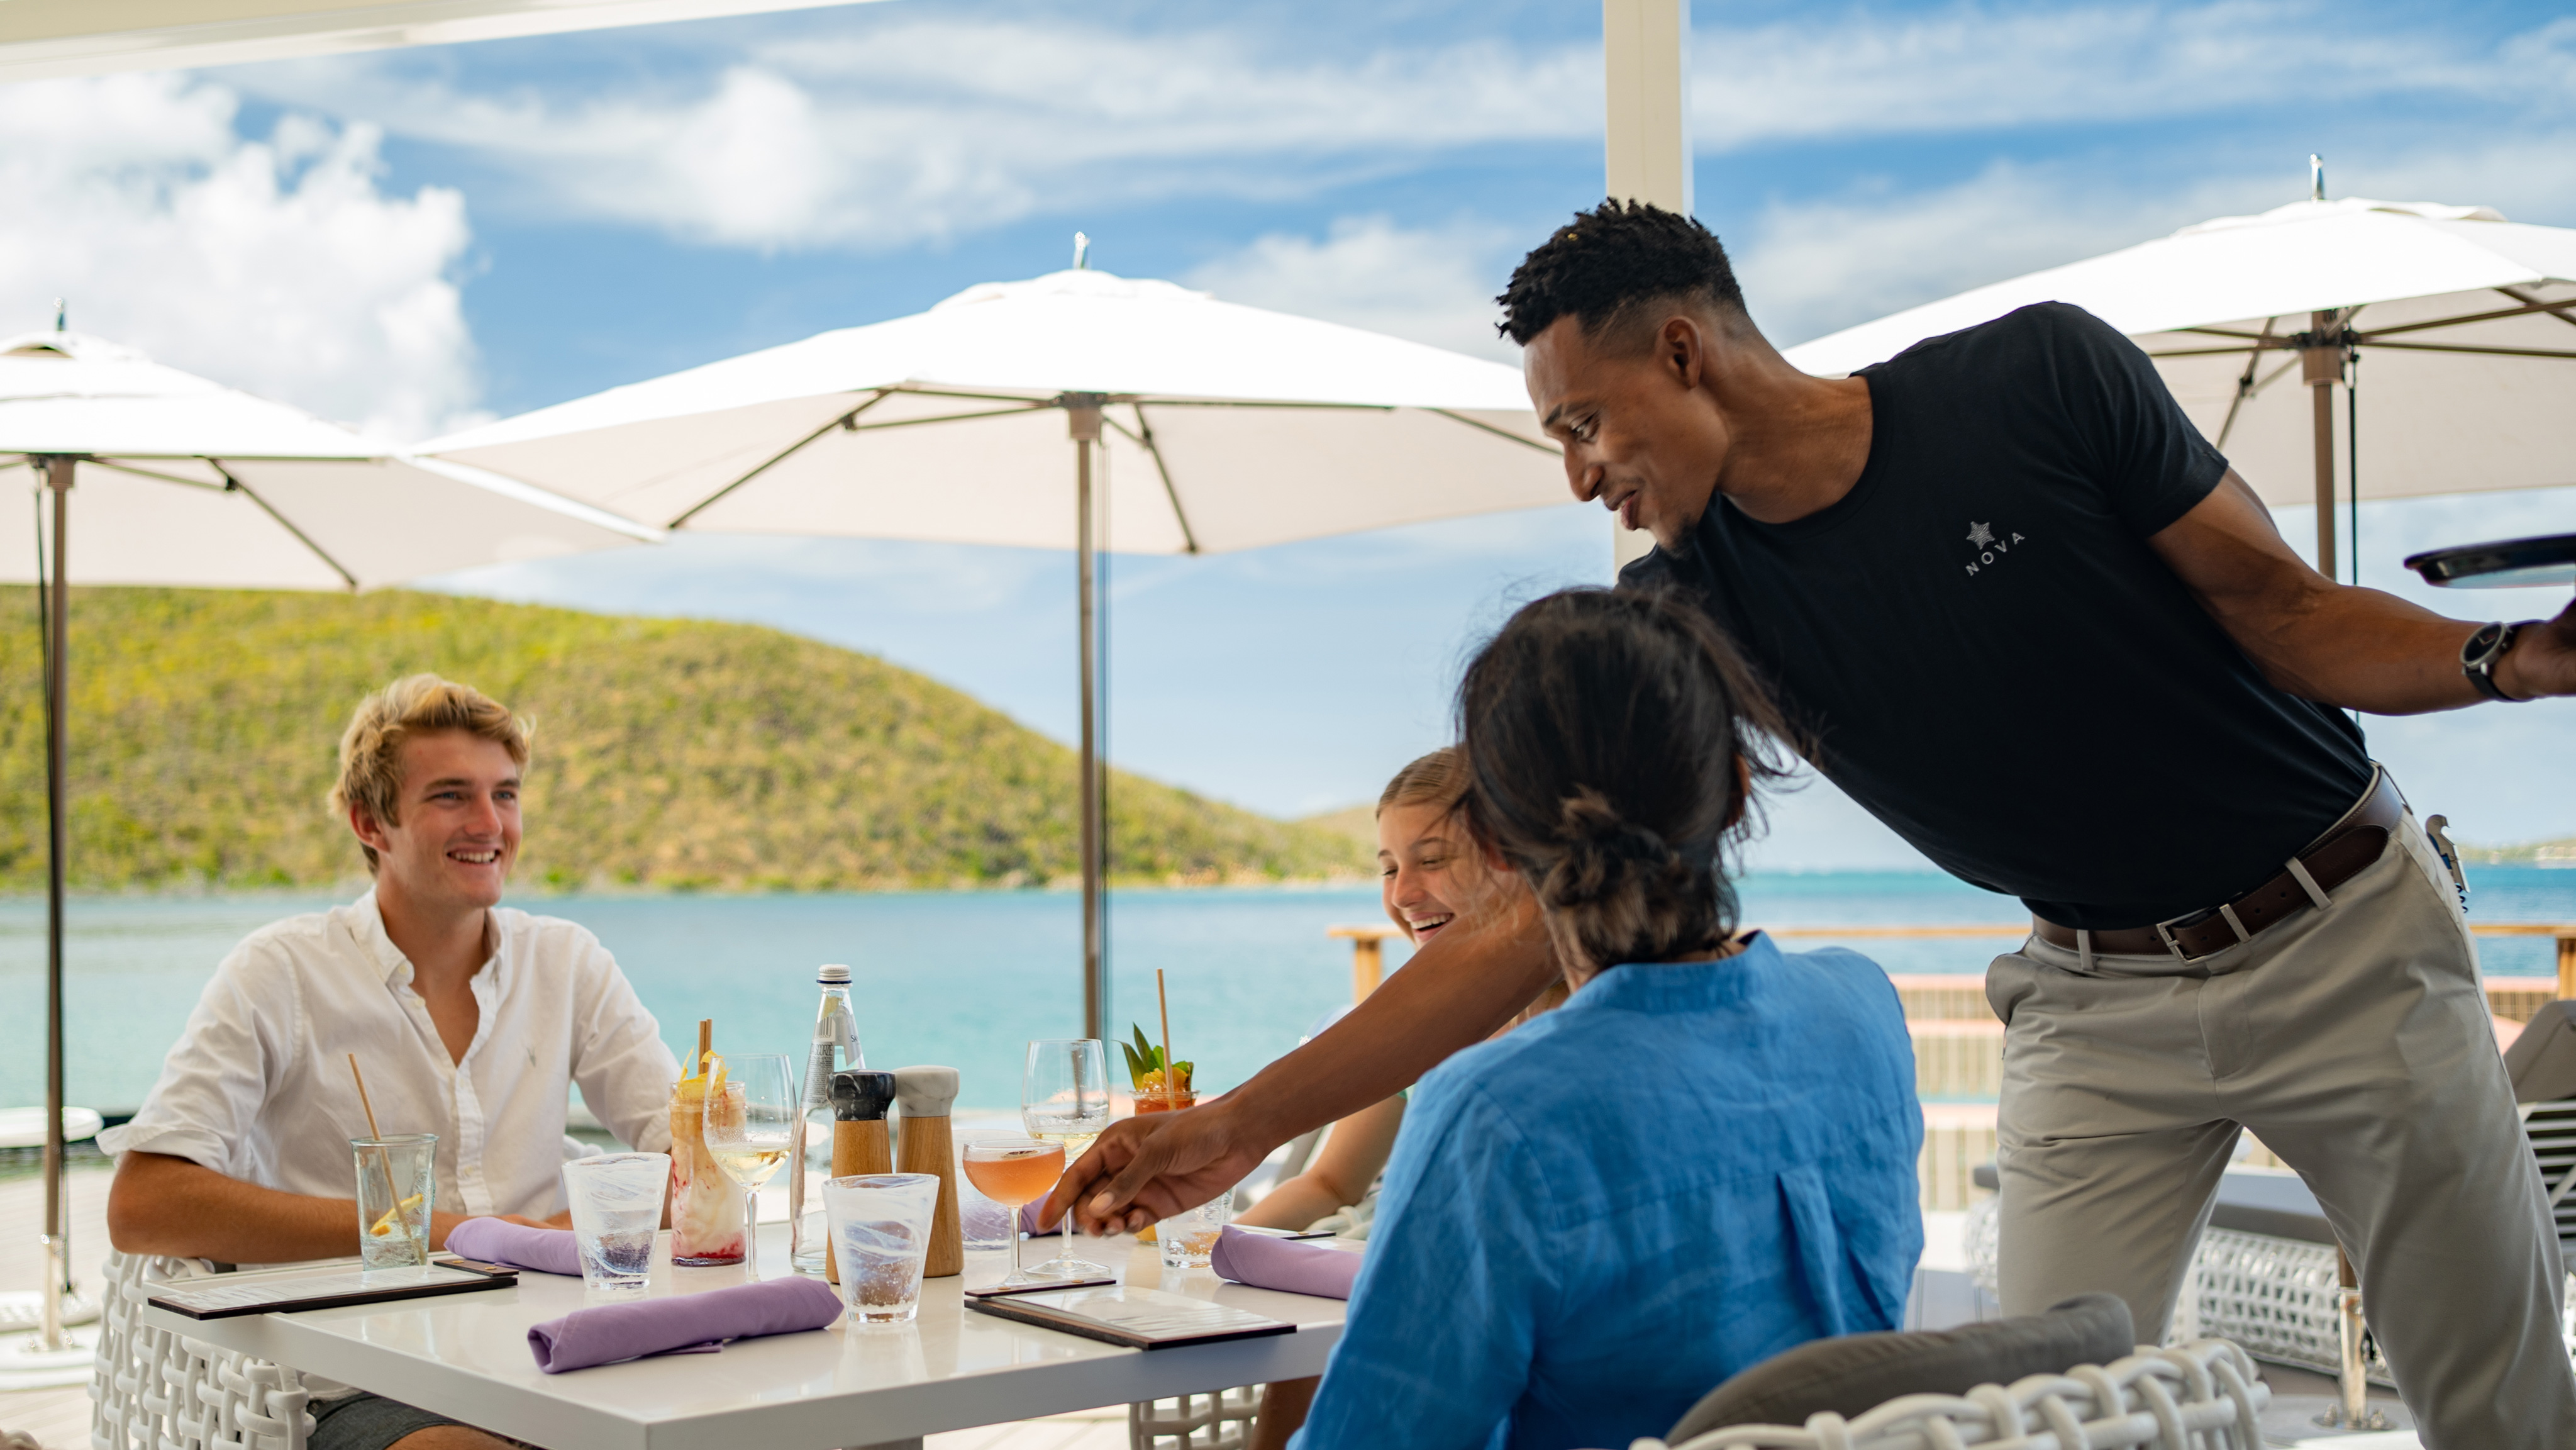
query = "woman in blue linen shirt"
{"x": 1707, "y": 1156}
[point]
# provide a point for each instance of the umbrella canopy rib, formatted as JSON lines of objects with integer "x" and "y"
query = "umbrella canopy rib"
{"x": 2564, "y": 310}
{"x": 156, "y": 477}
{"x": 2470, "y": 348}
{"x": 2244, "y": 385}
{"x": 1024, "y": 406}
{"x": 1266, "y": 403}
{"x": 790, "y": 451}
{"x": 1547, "y": 448}
{"x": 1144, "y": 438}
{"x": 233, "y": 484}
{"x": 2523, "y": 311}
{"x": 2559, "y": 311}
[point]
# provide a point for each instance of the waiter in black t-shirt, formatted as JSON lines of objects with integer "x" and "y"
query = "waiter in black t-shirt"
{"x": 2030, "y": 619}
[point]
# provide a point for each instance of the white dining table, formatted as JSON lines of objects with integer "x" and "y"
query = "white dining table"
{"x": 466, "y": 1356}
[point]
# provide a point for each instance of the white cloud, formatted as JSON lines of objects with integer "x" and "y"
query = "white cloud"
{"x": 1973, "y": 66}
{"x": 277, "y": 266}
{"x": 1433, "y": 285}
{"x": 898, "y": 127}
{"x": 1812, "y": 267}
{"x": 923, "y": 129}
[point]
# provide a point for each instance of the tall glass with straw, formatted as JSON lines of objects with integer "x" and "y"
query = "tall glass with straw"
{"x": 1064, "y": 1098}
{"x": 397, "y": 1188}
{"x": 752, "y": 1112}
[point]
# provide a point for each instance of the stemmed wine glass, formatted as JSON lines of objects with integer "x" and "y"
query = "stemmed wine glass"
{"x": 752, "y": 1112}
{"x": 1064, "y": 1098}
{"x": 1013, "y": 1171}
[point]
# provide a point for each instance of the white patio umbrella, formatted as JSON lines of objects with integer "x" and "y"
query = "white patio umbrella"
{"x": 1221, "y": 427}
{"x": 185, "y": 482}
{"x": 2468, "y": 322}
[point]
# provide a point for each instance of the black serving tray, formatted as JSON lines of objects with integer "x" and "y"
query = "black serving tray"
{"x": 2549, "y": 559}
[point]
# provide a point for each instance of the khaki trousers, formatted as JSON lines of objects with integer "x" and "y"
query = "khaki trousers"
{"x": 2355, "y": 1042}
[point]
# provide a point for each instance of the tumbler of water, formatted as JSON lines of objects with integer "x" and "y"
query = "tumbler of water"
{"x": 1189, "y": 1237}
{"x": 397, "y": 1190}
{"x": 616, "y": 1206}
{"x": 881, "y": 1230}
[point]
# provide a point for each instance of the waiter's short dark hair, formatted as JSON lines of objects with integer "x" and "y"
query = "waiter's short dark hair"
{"x": 1609, "y": 262}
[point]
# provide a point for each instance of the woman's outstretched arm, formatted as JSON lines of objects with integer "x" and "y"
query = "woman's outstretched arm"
{"x": 1453, "y": 994}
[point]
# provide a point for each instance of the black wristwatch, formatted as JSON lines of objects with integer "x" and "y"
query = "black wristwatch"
{"x": 2479, "y": 656}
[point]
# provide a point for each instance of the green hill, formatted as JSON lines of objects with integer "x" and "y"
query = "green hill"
{"x": 1356, "y": 824}
{"x": 669, "y": 753}
{"x": 2560, "y": 852}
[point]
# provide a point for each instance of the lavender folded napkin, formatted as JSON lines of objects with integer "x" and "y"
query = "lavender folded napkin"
{"x": 1284, "y": 1264}
{"x": 498, "y": 1241}
{"x": 607, "y": 1333}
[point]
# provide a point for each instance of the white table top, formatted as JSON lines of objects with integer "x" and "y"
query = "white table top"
{"x": 466, "y": 1356}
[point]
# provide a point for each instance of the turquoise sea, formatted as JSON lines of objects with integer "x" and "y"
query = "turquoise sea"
{"x": 957, "y": 978}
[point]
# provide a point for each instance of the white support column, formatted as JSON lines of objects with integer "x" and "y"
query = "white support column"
{"x": 1645, "y": 52}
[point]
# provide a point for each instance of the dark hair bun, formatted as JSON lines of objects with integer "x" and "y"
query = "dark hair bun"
{"x": 1610, "y": 739}
{"x": 1602, "y": 852}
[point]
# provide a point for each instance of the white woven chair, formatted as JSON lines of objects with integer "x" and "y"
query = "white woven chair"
{"x": 2273, "y": 1296}
{"x": 2200, "y": 1396}
{"x": 1219, "y": 1421}
{"x": 151, "y": 1389}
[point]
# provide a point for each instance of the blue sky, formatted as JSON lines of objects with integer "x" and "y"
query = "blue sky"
{"x": 417, "y": 239}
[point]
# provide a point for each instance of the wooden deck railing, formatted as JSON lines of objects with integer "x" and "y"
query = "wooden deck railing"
{"x": 2564, "y": 932}
{"x": 1958, "y": 1044}
{"x": 2523, "y": 994}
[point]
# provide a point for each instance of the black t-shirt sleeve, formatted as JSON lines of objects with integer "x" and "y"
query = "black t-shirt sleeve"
{"x": 2152, "y": 463}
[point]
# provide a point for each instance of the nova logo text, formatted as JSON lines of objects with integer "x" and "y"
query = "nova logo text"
{"x": 1989, "y": 546}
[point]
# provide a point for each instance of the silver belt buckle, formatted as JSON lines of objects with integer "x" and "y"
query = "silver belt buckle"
{"x": 2165, "y": 934}
{"x": 2226, "y": 910}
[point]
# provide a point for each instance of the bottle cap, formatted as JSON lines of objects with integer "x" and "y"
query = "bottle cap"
{"x": 925, "y": 1092}
{"x": 827, "y": 975}
{"x": 859, "y": 1096}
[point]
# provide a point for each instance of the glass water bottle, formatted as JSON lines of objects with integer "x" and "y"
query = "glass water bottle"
{"x": 835, "y": 1048}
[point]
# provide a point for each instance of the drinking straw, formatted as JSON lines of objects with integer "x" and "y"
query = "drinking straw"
{"x": 385, "y": 1158}
{"x": 706, "y": 1044}
{"x": 1170, "y": 1073}
{"x": 361, "y": 1078}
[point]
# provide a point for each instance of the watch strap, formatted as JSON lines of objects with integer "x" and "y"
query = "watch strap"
{"x": 2478, "y": 659}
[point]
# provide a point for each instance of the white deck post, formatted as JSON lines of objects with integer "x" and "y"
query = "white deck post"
{"x": 1645, "y": 52}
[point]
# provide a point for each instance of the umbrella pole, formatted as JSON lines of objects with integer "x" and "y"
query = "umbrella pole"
{"x": 58, "y": 481}
{"x": 1083, "y": 412}
{"x": 2321, "y": 365}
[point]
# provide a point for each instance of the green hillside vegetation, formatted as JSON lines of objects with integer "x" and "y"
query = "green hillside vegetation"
{"x": 2560, "y": 852}
{"x": 1356, "y": 824}
{"x": 670, "y": 754}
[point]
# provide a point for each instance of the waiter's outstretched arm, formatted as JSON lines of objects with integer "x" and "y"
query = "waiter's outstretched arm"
{"x": 1454, "y": 993}
{"x": 2334, "y": 643}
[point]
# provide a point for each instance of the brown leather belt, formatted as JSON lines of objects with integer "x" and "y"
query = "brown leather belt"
{"x": 2338, "y": 856}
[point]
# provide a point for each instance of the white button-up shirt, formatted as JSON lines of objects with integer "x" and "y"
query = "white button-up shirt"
{"x": 258, "y": 1088}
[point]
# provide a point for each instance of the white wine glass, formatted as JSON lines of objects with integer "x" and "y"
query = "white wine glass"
{"x": 752, "y": 1112}
{"x": 1064, "y": 1098}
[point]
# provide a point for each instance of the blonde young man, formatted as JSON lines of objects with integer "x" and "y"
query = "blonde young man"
{"x": 470, "y": 1019}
